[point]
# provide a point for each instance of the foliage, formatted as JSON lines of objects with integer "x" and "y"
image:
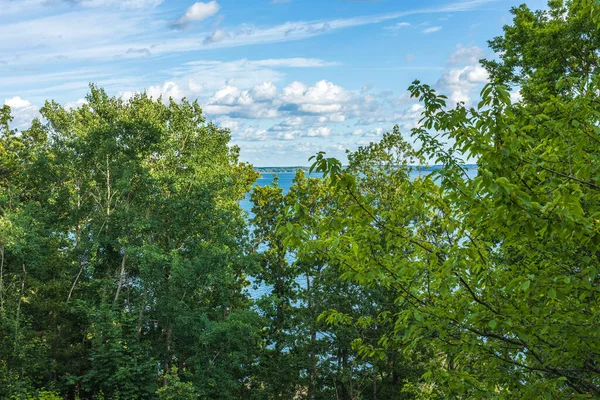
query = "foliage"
{"x": 497, "y": 275}
{"x": 123, "y": 245}
{"x": 125, "y": 257}
{"x": 175, "y": 389}
{"x": 308, "y": 357}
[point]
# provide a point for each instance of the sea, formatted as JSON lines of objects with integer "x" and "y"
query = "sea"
{"x": 285, "y": 182}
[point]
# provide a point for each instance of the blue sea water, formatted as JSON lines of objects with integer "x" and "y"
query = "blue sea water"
{"x": 285, "y": 181}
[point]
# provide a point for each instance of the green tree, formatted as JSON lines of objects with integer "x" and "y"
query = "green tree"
{"x": 544, "y": 47}
{"x": 123, "y": 245}
{"x": 303, "y": 356}
{"x": 497, "y": 274}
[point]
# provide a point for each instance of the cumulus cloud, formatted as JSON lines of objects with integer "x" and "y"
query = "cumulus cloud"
{"x": 166, "y": 91}
{"x": 287, "y": 124}
{"x": 295, "y": 127}
{"x": 230, "y": 95}
{"x": 334, "y": 118}
{"x": 198, "y": 11}
{"x": 264, "y": 91}
{"x": 16, "y": 102}
{"x": 466, "y": 55}
{"x": 236, "y": 103}
{"x": 208, "y": 75}
{"x": 460, "y": 83}
{"x": 75, "y": 104}
{"x": 516, "y": 97}
{"x": 320, "y": 131}
{"x": 22, "y": 111}
{"x": 323, "y": 97}
{"x": 229, "y": 123}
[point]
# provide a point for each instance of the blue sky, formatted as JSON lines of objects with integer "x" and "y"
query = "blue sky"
{"x": 288, "y": 77}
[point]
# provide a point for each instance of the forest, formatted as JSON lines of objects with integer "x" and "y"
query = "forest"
{"x": 125, "y": 257}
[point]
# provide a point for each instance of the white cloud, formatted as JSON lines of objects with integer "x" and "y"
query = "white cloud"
{"x": 460, "y": 83}
{"x": 75, "y": 104}
{"x": 516, "y": 96}
{"x": 229, "y": 123}
{"x": 137, "y": 4}
{"x": 227, "y": 96}
{"x": 293, "y": 121}
{"x": 236, "y": 103}
{"x": 89, "y": 38}
{"x": 74, "y": 29}
{"x": 297, "y": 62}
{"x": 335, "y": 118}
{"x": 288, "y": 124}
{"x": 215, "y": 37}
{"x": 264, "y": 91}
{"x": 320, "y": 131}
{"x": 283, "y": 131}
{"x": 466, "y": 55}
{"x": 22, "y": 111}
{"x": 432, "y": 29}
{"x": 166, "y": 91}
{"x": 294, "y": 92}
{"x": 323, "y": 97}
{"x": 212, "y": 75}
{"x": 252, "y": 94}
{"x": 17, "y": 102}
{"x": 320, "y": 108}
{"x": 397, "y": 26}
{"x": 16, "y": 6}
{"x": 198, "y": 11}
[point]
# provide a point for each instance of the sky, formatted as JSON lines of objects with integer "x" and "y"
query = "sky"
{"x": 289, "y": 78}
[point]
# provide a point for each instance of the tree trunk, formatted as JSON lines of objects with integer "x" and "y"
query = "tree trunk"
{"x": 19, "y": 307}
{"x": 140, "y": 318}
{"x": 75, "y": 282}
{"x": 374, "y": 385}
{"x": 167, "y": 365}
{"x": 121, "y": 277}
{"x": 1, "y": 278}
{"x": 313, "y": 339}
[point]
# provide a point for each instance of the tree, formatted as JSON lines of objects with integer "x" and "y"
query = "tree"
{"x": 302, "y": 355}
{"x": 125, "y": 245}
{"x": 543, "y": 47}
{"x": 497, "y": 275}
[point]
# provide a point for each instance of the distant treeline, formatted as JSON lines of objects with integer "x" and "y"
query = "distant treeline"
{"x": 279, "y": 170}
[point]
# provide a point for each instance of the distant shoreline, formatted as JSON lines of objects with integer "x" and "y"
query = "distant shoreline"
{"x": 296, "y": 168}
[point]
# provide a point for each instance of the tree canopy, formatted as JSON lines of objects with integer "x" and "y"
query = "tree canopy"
{"x": 497, "y": 275}
{"x": 126, "y": 259}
